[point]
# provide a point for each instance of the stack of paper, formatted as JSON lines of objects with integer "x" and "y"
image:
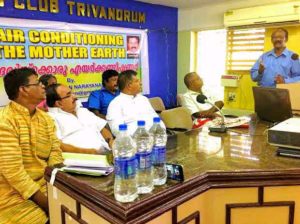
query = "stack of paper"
{"x": 229, "y": 122}
{"x": 236, "y": 122}
{"x": 88, "y": 164}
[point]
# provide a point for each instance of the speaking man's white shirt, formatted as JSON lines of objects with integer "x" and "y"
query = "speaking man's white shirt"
{"x": 128, "y": 109}
{"x": 82, "y": 130}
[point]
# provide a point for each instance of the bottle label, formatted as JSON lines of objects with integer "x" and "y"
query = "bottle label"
{"x": 125, "y": 167}
{"x": 144, "y": 160}
{"x": 158, "y": 155}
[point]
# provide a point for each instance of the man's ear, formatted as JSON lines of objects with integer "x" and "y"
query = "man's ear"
{"x": 22, "y": 91}
{"x": 129, "y": 84}
{"x": 58, "y": 104}
{"x": 105, "y": 83}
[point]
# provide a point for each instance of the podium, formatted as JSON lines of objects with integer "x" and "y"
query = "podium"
{"x": 230, "y": 178}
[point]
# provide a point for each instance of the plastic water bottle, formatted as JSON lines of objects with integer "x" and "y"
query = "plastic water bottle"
{"x": 159, "y": 152}
{"x": 144, "y": 144}
{"x": 124, "y": 149}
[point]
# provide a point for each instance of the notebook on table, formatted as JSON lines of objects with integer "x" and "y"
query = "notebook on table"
{"x": 87, "y": 164}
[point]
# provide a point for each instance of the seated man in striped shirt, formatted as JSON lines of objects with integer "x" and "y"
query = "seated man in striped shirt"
{"x": 28, "y": 144}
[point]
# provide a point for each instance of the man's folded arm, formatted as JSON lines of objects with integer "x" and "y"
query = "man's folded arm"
{"x": 41, "y": 200}
{"x": 55, "y": 156}
{"x": 107, "y": 136}
{"x": 219, "y": 104}
{"x": 71, "y": 148}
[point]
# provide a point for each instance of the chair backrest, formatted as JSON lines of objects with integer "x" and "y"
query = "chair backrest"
{"x": 157, "y": 104}
{"x": 178, "y": 117}
{"x": 179, "y": 100}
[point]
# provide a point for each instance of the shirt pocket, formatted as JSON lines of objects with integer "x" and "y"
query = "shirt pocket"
{"x": 286, "y": 66}
{"x": 268, "y": 63}
{"x": 129, "y": 113}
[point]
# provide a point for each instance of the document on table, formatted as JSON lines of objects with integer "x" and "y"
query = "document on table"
{"x": 229, "y": 122}
{"x": 88, "y": 164}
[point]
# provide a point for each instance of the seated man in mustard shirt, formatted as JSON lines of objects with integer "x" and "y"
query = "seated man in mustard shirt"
{"x": 27, "y": 145}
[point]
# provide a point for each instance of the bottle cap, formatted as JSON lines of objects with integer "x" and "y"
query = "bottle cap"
{"x": 141, "y": 123}
{"x": 156, "y": 119}
{"x": 123, "y": 127}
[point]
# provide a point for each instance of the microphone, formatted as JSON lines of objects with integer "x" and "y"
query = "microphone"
{"x": 222, "y": 129}
{"x": 201, "y": 98}
{"x": 295, "y": 56}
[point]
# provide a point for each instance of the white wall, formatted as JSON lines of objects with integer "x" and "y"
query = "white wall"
{"x": 211, "y": 16}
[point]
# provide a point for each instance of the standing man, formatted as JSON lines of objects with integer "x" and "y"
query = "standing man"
{"x": 100, "y": 99}
{"x": 28, "y": 144}
{"x": 279, "y": 65}
{"x": 130, "y": 106}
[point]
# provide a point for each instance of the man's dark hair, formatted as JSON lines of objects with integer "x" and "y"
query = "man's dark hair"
{"x": 187, "y": 78}
{"x": 52, "y": 95}
{"x": 134, "y": 37}
{"x": 106, "y": 75}
{"x": 125, "y": 77}
{"x": 16, "y": 78}
{"x": 44, "y": 79}
{"x": 283, "y": 30}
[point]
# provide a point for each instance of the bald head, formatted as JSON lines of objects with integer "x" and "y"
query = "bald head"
{"x": 187, "y": 79}
{"x": 193, "y": 81}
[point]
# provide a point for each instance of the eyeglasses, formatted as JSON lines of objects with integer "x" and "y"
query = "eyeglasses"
{"x": 65, "y": 97}
{"x": 39, "y": 83}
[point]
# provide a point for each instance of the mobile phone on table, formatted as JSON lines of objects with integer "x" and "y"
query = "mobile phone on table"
{"x": 175, "y": 172}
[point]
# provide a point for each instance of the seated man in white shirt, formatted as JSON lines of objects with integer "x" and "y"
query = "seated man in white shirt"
{"x": 79, "y": 130}
{"x": 130, "y": 106}
{"x": 194, "y": 84}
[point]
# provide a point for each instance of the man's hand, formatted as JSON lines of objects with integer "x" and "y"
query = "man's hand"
{"x": 219, "y": 104}
{"x": 41, "y": 200}
{"x": 207, "y": 114}
{"x": 110, "y": 142}
{"x": 261, "y": 68}
{"x": 279, "y": 79}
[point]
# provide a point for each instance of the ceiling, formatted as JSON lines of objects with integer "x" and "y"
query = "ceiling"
{"x": 186, "y": 4}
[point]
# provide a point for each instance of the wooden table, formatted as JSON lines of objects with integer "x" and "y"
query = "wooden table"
{"x": 232, "y": 178}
